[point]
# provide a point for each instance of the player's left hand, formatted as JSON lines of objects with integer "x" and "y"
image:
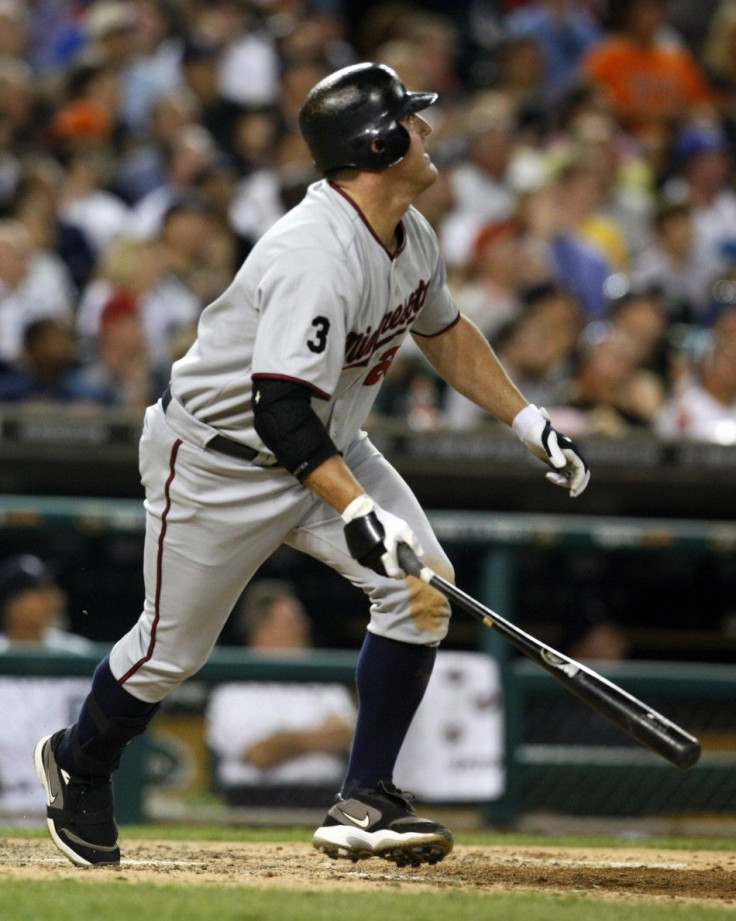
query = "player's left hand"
{"x": 535, "y": 430}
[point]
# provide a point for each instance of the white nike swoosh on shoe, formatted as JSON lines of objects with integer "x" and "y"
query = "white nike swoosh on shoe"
{"x": 361, "y": 823}
{"x": 67, "y": 778}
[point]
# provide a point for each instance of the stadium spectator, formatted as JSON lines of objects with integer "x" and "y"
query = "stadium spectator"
{"x": 536, "y": 348}
{"x": 192, "y": 150}
{"x": 141, "y": 167}
{"x": 703, "y": 407}
{"x": 130, "y": 265}
{"x": 719, "y": 47}
{"x": 189, "y": 236}
{"x": 292, "y": 748}
{"x": 564, "y": 30}
{"x": 35, "y": 204}
{"x": 33, "y": 607}
{"x": 520, "y": 75}
{"x": 121, "y": 372}
{"x": 200, "y": 69}
{"x": 154, "y": 67}
{"x": 641, "y": 314}
{"x": 14, "y": 29}
{"x": 47, "y": 369}
{"x": 702, "y": 177}
{"x": 265, "y": 195}
{"x": 480, "y": 180}
{"x": 32, "y": 615}
{"x": 584, "y": 189}
{"x": 170, "y": 277}
{"x": 84, "y": 201}
{"x": 554, "y": 249}
{"x": 670, "y": 264}
{"x": 254, "y": 138}
{"x": 651, "y": 81}
{"x": 249, "y": 62}
{"x": 609, "y": 393}
{"x": 25, "y": 295}
{"x": 491, "y": 295}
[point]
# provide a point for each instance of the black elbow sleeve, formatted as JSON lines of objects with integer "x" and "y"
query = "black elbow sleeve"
{"x": 288, "y": 426}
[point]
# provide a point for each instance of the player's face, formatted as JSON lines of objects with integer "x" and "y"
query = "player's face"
{"x": 417, "y": 165}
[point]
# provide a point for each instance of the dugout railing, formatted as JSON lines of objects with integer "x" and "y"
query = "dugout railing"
{"x": 612, "y": 779}
{"x": 565, "y": 766}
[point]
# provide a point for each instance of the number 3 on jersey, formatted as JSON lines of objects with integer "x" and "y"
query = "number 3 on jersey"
{"x": 319, "y": 342}
{"x": 379, "y": 370}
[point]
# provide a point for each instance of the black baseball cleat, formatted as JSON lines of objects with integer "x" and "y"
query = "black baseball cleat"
{"x": 79, "y": 812}
{"x": 380, "y": 822}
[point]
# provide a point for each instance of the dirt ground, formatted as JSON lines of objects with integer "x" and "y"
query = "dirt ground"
{"x": 613, "y": 872}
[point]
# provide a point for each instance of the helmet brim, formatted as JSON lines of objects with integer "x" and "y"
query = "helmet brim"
{"x": 415, "y": 102}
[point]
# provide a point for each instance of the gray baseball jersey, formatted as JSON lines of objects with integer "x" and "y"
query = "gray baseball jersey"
{"x": 320, "y": 301}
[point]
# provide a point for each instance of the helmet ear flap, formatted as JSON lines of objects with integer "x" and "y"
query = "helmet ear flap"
{"x": 378, "y": 146}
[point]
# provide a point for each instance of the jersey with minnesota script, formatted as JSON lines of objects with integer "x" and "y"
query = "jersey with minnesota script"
{"x": 321, "y": 301}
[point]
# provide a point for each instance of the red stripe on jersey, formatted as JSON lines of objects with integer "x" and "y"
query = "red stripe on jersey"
{"x": 159, "y": 565}
{"x": 295, "y": 380}
{"x": 439, "y": 331}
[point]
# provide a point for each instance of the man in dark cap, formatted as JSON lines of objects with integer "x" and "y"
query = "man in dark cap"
{"x": 32, "y": 606}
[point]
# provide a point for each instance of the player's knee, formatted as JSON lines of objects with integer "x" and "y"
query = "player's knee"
{"x": 430, "y": 610}
{"x": 168, "y": 677}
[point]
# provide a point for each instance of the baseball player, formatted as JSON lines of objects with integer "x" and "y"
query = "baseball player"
{"x": 258, "y": 442}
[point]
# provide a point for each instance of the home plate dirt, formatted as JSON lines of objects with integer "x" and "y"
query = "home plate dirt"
{"x": 612, "y": 872}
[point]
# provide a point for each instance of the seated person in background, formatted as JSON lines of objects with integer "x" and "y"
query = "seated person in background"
{"x": 703, "y": 407}
{"x": 536, "y": 348}
{"x": 610, "y": 393}
{"x": 32, "y": 607}
{"x": 47, "y": 371}
{"x": 32, "y": 615}
{"x": 121, "y": 371}
{"x": 278, "y": 744}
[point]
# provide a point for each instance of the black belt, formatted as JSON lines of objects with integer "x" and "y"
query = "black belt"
{"x": 219, "y": 442}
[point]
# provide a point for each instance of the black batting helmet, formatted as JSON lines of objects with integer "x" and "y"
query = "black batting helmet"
{"x": 351, "y": 118}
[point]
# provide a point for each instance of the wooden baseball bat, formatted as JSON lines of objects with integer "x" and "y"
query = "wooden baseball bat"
{"x": 632, "y": 716}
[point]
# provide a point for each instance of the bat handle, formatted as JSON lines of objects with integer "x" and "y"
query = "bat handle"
{"x": 410, "y": 562}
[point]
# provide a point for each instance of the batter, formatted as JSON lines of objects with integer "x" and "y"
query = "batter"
{"x": 258, "y": 442}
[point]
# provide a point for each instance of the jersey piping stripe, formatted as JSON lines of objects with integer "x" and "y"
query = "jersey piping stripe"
{"x": 295, "y": 380}
{"x": 159, "y": 565}
{"x": 439, "y": 331}
{"x": 400, "y": 227}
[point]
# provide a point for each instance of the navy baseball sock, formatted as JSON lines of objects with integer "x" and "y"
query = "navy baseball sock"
{"x": 109, "y": 718}
{"x": 391, "y": 679}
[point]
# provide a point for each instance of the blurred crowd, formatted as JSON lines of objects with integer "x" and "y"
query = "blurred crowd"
{"x": 586, "y": 206}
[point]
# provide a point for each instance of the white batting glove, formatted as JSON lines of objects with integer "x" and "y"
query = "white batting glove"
{"x": 373, "y": 535}
{"x": 535, "y": 430}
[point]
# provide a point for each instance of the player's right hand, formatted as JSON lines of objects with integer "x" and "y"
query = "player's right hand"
{"x": 373, "y": 536}
{"x": 569, "y": 469}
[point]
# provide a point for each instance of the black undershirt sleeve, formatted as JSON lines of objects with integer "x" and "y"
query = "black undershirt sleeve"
{"x": 288, "y": 426}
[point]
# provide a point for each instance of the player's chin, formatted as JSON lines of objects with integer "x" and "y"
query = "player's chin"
{"x": 430, "y": 172}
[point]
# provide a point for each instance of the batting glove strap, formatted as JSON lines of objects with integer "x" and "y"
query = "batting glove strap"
{"x": 364, "y": 537}
{"x": 570, "y": 471}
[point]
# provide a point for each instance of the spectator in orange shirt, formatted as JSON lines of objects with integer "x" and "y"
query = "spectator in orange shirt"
{"x": 650, "y": 81}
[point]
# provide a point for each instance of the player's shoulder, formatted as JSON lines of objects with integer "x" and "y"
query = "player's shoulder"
{"x": 420, "y": 232}
{"x": 320, "y": 222}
